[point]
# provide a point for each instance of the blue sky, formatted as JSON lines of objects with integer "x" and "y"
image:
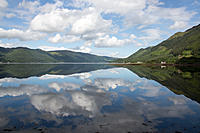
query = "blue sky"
{"x": 103, "y": 27}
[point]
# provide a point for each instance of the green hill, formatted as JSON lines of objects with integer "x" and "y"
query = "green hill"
{"x": 182, "y": 47}
{"x": 29, "y": 70}
{"x": 26, "y": 55}
{"x": 181, "y": 80}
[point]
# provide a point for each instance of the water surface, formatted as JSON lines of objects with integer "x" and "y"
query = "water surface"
{"x": 99, "y": 98}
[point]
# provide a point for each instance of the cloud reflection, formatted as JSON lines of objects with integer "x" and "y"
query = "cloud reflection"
{"x": 21, "y": 90}
{"x": 75, "y": 103}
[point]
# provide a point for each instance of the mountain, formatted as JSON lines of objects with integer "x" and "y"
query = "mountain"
{"x": 26, "y": 55}
{"x": 182, "y": 47}
{"x": 181, "y": 80}
{"x": 27, "y": 70}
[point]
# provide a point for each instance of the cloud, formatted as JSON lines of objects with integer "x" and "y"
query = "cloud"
{"x": 52, "y": 48}
{"x": 3, "y": 4}
{"x": 75, "y": 103}
{"x": 29, "y": 5}
{"x": 58, "y": 21}
{"x": 151, "y": 35}
{"x": 98, "y": 22}
{"x": 178, "y": 25}
{"x": 7, "y": 45}
{"x": 63, "y": 86}
{"x": 117, "y": 6}
{"x": 26, "y": 10}
{"x": 107, "y": 41}
{"x": 21, "y": 35}
{"x": 77, "y": 21}
{"x": 21, "y": 90}
{"x": 50, "y": 76}
{"x": 78, "y": 49}
{"x": 63, "y": 39}
{"x": 107, "y": 83}
{"x": 142, "y": 12}
{"x": 177, "y": 100}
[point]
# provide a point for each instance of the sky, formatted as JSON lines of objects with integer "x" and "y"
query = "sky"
{"x": 114, "y": 28}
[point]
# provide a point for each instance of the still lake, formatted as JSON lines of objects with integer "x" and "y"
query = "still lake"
{"x": 99, "y": 98}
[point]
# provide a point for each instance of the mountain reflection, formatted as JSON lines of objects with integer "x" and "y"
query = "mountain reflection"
{"x": 104, "y": 99}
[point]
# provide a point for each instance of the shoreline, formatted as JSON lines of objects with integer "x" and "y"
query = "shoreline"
{"x": 101, "y": 63}
{"x": 158, "y": 64}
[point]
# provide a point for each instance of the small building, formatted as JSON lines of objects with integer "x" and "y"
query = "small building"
{"x": 163, "y": 62}
{"x": 139, "y": 62}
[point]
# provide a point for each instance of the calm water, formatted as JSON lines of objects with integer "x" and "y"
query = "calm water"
{"x": 99, "y": 98}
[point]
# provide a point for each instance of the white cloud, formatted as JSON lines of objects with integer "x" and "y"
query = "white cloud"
{"x": 178, "y": 25}
{"x": 3, "y": 4}
{"x": 83, "y": 49}
{"x": 50, "y": 76}
{"x": 21, "y": 90}
{"x": 176, "y": 15}
{"x": 21, "y": 35}
{"x": 28, "y": 9}
{"x": 7, "y": 45}
{"x": 141, "y": 12}
{"x": 90, "y": 23}
{"x": 79, "y": 49}
{"x": 29, "y": 5}
{"x": 151, "y": 35}
{"x": 63, "y": 39}
{"x": 177, "y": 100}
{"x": 10, "y": 15}
{"x": 77, "y": 21}
{"x": 48, "y": 7}
{"x": 107, "y": 83}
{"x": 74, "y": 103}
{"x": 117, "y": 6}
{"x": 58, "y": 21}
{"x": 107, "y": 41}
{"x": 63, "y": 86}
{"x": 51, "y": 48}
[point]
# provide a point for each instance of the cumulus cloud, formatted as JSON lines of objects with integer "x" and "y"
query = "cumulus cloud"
{"x": 63, "y": 86}
{"x": 107, "y": 83}
{"x": 58, "y": 21}
{"x": 76, "y": 103}
{"x": 21, "y": 90}
{"x": 21, "y": 35}
{"x": 63, "y": 39}
{"x": 28, "y": 9}
{"x": 92, "y": 21}
{"x": 80, "y": 21}
{"x": 107, "y": 41}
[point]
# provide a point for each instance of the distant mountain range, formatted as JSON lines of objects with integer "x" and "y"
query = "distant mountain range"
{"x": 26, "y": 55}
{"x": 182, "y": 47}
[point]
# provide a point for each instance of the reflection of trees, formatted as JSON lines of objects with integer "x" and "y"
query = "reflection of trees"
{"x": 28, "y": 70}
{"x": 184, "y": 80}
